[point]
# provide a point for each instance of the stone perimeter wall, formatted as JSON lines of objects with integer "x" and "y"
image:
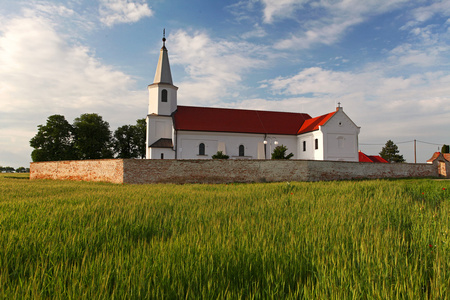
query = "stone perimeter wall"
{"x": 108, "y": 170}
{"x": 142, "y": 171}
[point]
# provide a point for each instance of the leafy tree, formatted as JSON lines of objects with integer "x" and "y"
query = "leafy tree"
{"x": 280, "y": 153}
{"x": 92, "y": 137}
{"x": 139, "y": 137}
{"x": 7, "y": 169}
{"x": 445, "y": 149}
{"x": 220, "y": 155}
{"x": 124, "y": 142}
{"x": 129, "y": 140}
{"x": 390, "y": 153}
{"x": 22, "y": 170}
{"x": 54, "y": 141}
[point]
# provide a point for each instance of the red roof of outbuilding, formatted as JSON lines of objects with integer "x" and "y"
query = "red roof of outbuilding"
{"x": 363, "y": 157}
{"x": 377, "y": 158}
{"x": 314, "y": 123}
{"x": 436, "y": 155}
{"x": 371, "y": 158}
{"x": 237, "y": 120}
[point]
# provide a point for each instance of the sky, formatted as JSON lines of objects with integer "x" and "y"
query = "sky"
{"x": 386, "y": 62}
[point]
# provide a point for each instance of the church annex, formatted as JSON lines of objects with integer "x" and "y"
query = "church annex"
{"x": 188, "y": 132}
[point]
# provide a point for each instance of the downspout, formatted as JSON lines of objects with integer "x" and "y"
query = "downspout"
{"x": 265, "y": 146}
{"x": 176, "y": 143}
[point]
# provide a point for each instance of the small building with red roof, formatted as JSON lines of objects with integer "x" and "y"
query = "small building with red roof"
{"x": 371, "y": 158}
{"x": 442, "y": 161}
{"x": 189, "y": 132}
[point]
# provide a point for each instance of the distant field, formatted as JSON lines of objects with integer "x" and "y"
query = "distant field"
{"x": 324, "y": 240}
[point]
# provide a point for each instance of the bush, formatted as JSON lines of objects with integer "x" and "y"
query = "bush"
{"x": 220, "y": 155}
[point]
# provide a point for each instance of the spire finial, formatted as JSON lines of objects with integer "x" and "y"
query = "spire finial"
{"x": 164, "y": 37}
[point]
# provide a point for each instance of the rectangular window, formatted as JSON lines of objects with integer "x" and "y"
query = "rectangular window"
{"x": 304, "y": 145}
{"x": 316, "y": 143}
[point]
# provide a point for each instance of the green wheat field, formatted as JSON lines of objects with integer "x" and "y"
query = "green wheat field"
{"x": 375, "y": 239}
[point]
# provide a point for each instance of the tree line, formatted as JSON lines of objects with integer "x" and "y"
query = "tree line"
{"x": 89, "y": 137}
{"x": 12, "y": 170}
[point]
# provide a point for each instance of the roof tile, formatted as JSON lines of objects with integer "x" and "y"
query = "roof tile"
{"x": 238, "y": 120}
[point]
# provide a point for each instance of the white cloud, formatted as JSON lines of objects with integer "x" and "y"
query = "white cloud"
{"x": 123, "y": 11}
{"x": 381, "y": 105}
{"x": 256, "y": 32}
{"x": 280, "y": 8}
{"x": 43, "y": 73}
{"x": 425, "y": 13}
{"x": 215, "y": 68}
{"x": 328, "y": 24}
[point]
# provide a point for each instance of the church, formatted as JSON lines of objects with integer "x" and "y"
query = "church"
{"x": 189, "y": 132}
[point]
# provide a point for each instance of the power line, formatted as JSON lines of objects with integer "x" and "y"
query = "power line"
{"x": 430, "y": 143}
{"x": 405, "y": 142}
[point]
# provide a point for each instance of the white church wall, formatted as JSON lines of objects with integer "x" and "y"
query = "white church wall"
{"x": 162, "y": 153}
{"x": 158, "y": 127}
{"x": 156, "y": 106}
{"x": 305, "y": 146}
{"x": 341, "y": 138}
{"x": 229, "y": 143}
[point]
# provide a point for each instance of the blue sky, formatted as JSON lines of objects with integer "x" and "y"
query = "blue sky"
{"x": 387, "y": 62}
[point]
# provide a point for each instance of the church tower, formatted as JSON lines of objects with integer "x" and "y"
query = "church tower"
{"x": 162, "y": 92}
{"x": 161, "y": 105}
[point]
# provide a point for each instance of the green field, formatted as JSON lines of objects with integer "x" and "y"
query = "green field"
{"x": 377, "y": 239}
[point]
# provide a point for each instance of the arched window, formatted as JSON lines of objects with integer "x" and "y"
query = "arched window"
{"x": 162, "y": 155}
{"x": 316, "y": 143}
{"x": 201, "y": 149}
{"x": 304, "y": 145}
{"x": 164, "y": 96}
{"x": 241, "y": 150}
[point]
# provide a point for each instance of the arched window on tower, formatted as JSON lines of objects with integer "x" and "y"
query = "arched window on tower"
{"x": 164, "y": 96}
{"x": 201, "y": 149}
{"x": 241, "y": 150}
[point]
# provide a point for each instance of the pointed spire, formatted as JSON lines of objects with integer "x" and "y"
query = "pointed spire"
{"x": 163, "y": 74}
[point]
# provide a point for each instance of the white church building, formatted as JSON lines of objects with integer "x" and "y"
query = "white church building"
{"x": 188, "y": 132}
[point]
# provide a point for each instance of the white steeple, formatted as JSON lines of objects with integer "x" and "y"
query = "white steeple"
{"x": 162, "y": 92}
{"x": 163, "y": 74}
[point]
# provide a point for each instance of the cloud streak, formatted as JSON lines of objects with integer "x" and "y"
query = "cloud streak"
{"x": 123, "y": 11}
{"x": 214, "y": 68}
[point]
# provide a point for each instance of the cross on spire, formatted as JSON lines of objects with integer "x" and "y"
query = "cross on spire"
{"x": 164, "y": 37}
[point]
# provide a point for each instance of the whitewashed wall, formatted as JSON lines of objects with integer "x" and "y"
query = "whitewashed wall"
{"x": 157, "y": 127}
{"x": 189, "y": 141}
{"x": 341, "y": 138}
{"x": 311, "y": 152}
{"x": 168, "y": 153}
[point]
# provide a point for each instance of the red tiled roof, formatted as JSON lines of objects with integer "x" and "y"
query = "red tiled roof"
{"x": 363, "y": 157}
{"x": 314, "y": 123}
{"x": 377, "y": 158}
{"x": 237, "y": 120}
{"x": 436, "y": 154}
{"x": 371, "y": 158}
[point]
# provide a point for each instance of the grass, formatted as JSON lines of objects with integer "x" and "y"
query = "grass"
{"x": 379, "y": 239}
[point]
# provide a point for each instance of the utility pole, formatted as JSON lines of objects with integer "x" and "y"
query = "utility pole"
{"x": 415, "y": 160}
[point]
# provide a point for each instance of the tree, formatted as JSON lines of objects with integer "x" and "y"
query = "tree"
{"x": 129, "y": 140}
{"x": 124, "y": 142}
{"x": 139, "y": 137}
{"x": 92, "y": 137}
{"x": 220, "y": 155}
{"x": 280, "y": 153}
{"x": 22, "y": 170}
{"x": 390, "y": 153}
{"x": 445, "y": 149}
{"x": 7, "y": 169}
{"x": 54, "y": 141}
